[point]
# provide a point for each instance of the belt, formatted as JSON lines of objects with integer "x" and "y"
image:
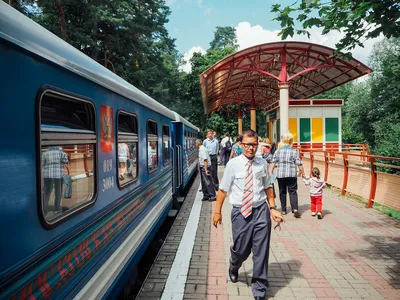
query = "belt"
{"x": 213, "y": 154}
{"x": 254, "y": 207}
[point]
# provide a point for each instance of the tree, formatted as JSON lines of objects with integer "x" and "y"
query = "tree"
{"x": 190, "y": 103}
{"x": 23, "y": 6}
{"x": 128, "y": 37}
{"x": 385, "y": 88}
{"x": 360, "y": 20}
{"x": 371, "y": 111}
{"x": 224, "y": 37}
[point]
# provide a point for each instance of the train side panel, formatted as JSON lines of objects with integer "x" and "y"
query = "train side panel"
{"x": 59, "y": 260}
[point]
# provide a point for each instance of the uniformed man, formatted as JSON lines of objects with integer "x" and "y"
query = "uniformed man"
{"x": 212, "y": 146}
{"x": 205, "y": 164}
{"x": 249, "y": 187}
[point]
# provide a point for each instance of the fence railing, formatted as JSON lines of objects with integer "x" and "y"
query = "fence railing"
{"x": 353, "y": 170}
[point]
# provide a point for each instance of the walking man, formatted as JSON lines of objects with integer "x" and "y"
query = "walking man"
{"x": 226, "y": 148}
{"x": 207, "y": 183}
{"x": 211, "y": 144}
{"x": 248, "y": 185}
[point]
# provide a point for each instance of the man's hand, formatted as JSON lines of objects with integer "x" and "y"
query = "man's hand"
{"x": 276, "y": 216}
{"x": 207, "y": 172}
{"x": 217, "y": 219}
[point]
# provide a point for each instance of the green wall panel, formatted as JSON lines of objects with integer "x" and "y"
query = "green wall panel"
{"x": 305, "y": 130}
{"x": 278, "y": 130}
{"x": 331, "y": 129}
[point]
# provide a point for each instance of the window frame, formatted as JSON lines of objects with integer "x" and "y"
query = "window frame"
{"x": 147, "y": 146}
{"x": 133, "y": 181}
{"x": 169, "y": 143}
{"x": 68, "y": 135}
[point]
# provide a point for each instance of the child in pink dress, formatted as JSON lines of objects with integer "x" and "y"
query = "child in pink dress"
{"x": 316, "y": 185}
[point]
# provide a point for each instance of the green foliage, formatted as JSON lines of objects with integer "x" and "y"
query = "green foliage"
{"x": 190, "y": 103}
{"x": 359, "y": 20}
{"x": 371, "y": 112}
{"x": 127, "y": 37}
{"x": 224, "y": 37}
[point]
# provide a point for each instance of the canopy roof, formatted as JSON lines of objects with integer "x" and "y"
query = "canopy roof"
{"x": 256, "y": 72}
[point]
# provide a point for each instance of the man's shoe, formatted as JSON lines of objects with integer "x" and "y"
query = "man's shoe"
{"x": 319, "y": 216}
{"x": 296, "y": 214}
{"x": 313, "y": 213}
{"x": 233, "y": 275}
{"x": 260, "y": 298}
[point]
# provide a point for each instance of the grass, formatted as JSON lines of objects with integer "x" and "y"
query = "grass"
{"x": 391, "y": 212}
{"x": 387, "y": 211}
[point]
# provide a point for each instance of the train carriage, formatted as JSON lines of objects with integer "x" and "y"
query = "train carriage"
{"x": 86, "y": 168}
{"x": 186, "y": 153}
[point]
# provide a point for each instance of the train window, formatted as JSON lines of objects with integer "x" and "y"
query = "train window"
{"x": 185, "y": 140}
{"x": 127, "y": 148}
{"x": 166, "y": 155}
{"x": 152, "y": 146}
{"x": 68, "y": 150}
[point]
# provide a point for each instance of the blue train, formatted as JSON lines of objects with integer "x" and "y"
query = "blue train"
{"x": 89, "y": 166}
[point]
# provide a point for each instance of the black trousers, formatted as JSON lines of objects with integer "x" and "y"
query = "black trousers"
{"x": 207, "y": 184}
{"x": 288, "y": 184}
{"x": 226, "y": 155}
{"x": 214, "y": 170}
{"x": 252, "y": 234}
{"x": 48, "y": 188}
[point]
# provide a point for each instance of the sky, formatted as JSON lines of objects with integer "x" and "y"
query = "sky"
{"x": 193, "y": 22}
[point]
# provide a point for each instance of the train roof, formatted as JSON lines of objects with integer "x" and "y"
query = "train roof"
{"x": 27, "y": 34}
{"x": 179, "y": 118}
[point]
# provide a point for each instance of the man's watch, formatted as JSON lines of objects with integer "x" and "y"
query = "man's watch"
{"x": 274, "y": 207}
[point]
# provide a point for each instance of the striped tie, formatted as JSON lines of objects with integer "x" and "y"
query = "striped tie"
{"x": 247, "y": 202}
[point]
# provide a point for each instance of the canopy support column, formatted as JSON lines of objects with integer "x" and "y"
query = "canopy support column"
{"x": 284, "y": 107}
{"x": 253, "y": 117}
{"x": 240, "y": 121}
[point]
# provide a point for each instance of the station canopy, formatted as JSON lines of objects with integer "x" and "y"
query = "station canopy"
{"x": 253, "y": 75}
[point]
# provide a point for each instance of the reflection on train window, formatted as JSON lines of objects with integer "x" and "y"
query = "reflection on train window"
{"x": 68, "y": 142}
{"x": 152, "y": 146}
{"x": 127, "y": 148}
{"x": 165, "y": 150}
{"x": 185, "y": 139}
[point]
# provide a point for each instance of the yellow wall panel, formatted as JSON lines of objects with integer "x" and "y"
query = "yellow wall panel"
{"x": 293, "y": 128}
{"x": 317, "y": 130}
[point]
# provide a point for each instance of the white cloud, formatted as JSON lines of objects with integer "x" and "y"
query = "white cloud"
{"x": 199, "y": 3}
{"x": 248, "y": 36}
{"x": 188, "y": 55}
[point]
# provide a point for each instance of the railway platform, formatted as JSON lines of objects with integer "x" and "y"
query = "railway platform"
{"x": 352, "y": 253}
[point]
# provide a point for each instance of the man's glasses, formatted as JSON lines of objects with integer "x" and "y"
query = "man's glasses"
{"x": 247, "y": 146}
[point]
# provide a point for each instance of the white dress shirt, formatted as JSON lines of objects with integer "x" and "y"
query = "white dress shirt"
{"x": 204, "y": 155}
{"x": 234, "y": 179}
